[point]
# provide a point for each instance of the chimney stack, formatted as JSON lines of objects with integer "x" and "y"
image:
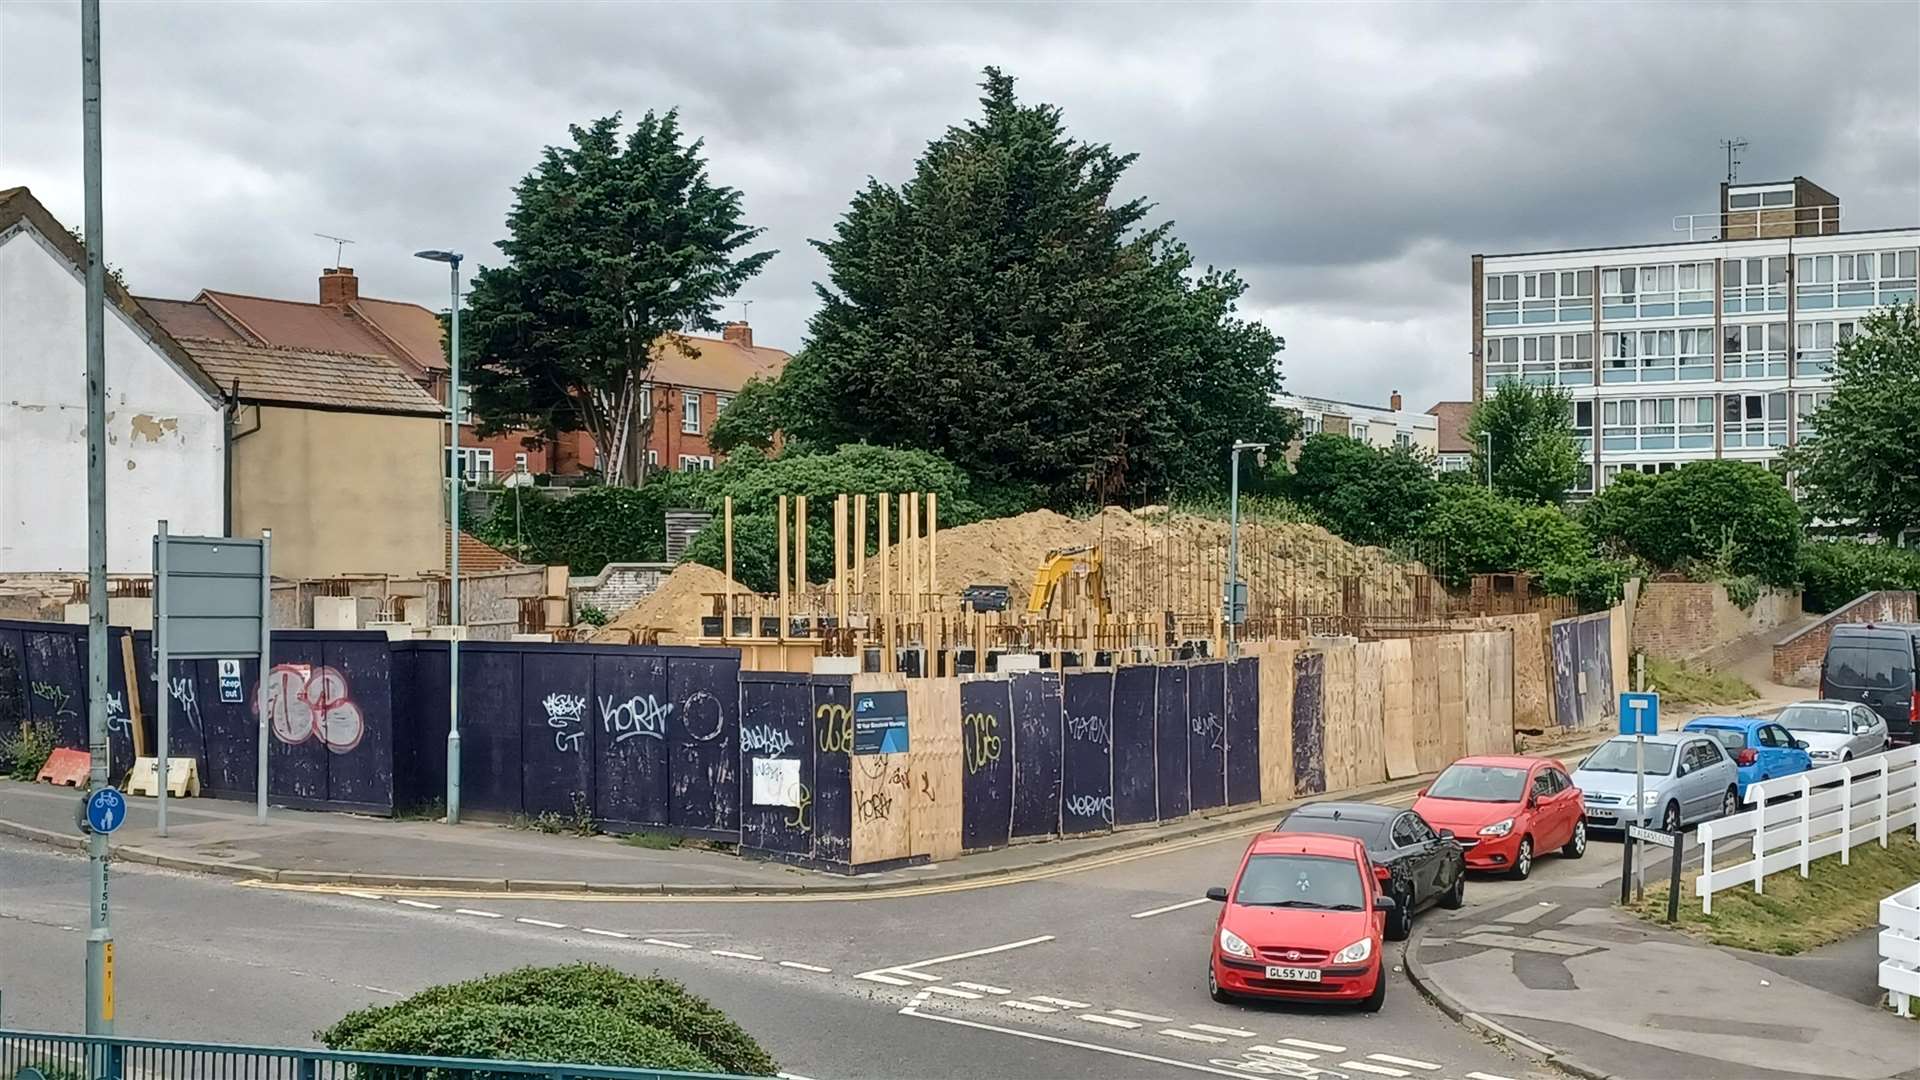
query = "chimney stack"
{"x": 338, "y": 286}
{"x": 1394, "y": 401}
{"x": 737, "y": 333}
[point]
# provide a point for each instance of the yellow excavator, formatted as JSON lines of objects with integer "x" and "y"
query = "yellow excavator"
{"x": 1061, "y": 563}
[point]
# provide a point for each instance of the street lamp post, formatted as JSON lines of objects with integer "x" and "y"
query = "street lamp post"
{"x": 1235, "y": 600}
{"x": 452, "y": 259}
{"x": 1486, "y": 437}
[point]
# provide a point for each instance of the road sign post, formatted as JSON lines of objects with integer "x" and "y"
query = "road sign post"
{"x": 1639, "y": 717}
{"x": 1675, "y": 842}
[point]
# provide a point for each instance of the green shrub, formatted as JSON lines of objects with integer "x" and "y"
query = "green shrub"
{"x": 1363, "y": 494}
{"x": 587, "y": 988}
{"x": 526, "y": 1033}
{"x": 1594, "y": 583}
{"x": 24, "y": 751}
{"x": 1735, "y": 514}
{"x": 1835, "y": 572}
{"x": 593, "y": 616}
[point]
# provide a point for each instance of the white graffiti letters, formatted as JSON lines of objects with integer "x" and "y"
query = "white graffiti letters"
{"x": 117, "y": 714}
{"x": 1089, "y": 729}
{"x": 765, "y": 739}
{"x": 182, "y": 691}
{"x": 567, "y": 716}
{"x": 1209, "y": 727}
{"x": 638, "y": 715}
{"x": 1086, "y": 806}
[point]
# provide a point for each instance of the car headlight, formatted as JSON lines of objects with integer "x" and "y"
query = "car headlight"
{"x": 1821, "y": 754}
{"x": 1498, "y": 828}
{"x": 1355, "y": 952}
{"x": 1648, "y": 798}
{"x": 1230, "y": 943}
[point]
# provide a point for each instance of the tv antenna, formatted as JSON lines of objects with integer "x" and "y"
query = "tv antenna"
{"x": 744, "y": 305}
{"x": 1733, "y": 148}
{"x": 339, "y": 242}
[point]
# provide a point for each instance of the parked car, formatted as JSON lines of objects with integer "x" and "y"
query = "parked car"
{"x": 1762, "y": 749}
{"x": 1689, "y": 778}
{"x": 1507, "y": 809}
{"x": 1835, "y": 731}
{"x": 1424, "y": 866}
{"x": 1304, "y": 920}
{"x": 1877, "y": 665}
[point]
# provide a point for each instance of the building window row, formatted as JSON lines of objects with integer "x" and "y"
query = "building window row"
{"x": 1816, "y": 343}
{"x": 1544, "y": 296}
{"x": 1541, "y": 359}
{"x": 1649, "y": 356}
{"x": 1748, "y": 286}
{"x": 1755, "y": 285}
{"x": 1630, "y": 424}
{"x": 1855, "y": 280}
{"x": 1683, "y": 354}
{"x": 1654, "y": 292}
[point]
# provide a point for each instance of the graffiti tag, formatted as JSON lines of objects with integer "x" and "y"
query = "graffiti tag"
{"x": 307, "y": 702}
{"x": 117, "y": 719}
{"x": 54, "y": 695}
{"x": 1090, "y": 729}
{"x": 638, "y": 715}
{"x": 800, "y": 819}
{"x": 875, "y": 807}
{"x": 182, "y": 691}
{"x": 1087, "y": 806}
{"x": 765, "y": 739}
{"x": 567, "y": 716}
{"x": 835, "y": 725}
{"x": 701, "y": 717}
{"x": 1209, "y": 727}
{"x": 982, "y": 741}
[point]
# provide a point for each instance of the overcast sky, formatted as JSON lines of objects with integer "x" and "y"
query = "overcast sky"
{"x": 1346, "y": 160}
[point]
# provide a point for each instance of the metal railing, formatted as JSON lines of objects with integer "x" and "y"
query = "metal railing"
{"x": 1765, "y": 222}
{"x": 39, "y": 1055}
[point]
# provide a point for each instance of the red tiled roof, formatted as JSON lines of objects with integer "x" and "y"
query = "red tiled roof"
{"x": 296, "y": 325}
{"x": 479, "y": 557}
{"x": 414, "y": 329}
{"x": 1453, "y": 426}
{"x": 719, "y": 365}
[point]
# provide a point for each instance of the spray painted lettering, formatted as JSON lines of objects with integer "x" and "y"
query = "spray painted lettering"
{"x": 306, "y": 702}
{"x": 1209, "y": 727}
{"x": 1087, "y": 806}
{"x": 117, "y": 719}
{"x": 182, "y": 691}
{"x": 801, "y": 818}
{"x": 567, "y": 716}
{"x": 701, "y": 717}
{"x": 835, "y": 726}
{"x": 765, "y": 739}
{"x": 875, "y": 807}
{"x": 638, "y": 715}
{"x": 982, "y": 741}
{"x": 55, "y": 695}
{"x": 1090, "y": 729}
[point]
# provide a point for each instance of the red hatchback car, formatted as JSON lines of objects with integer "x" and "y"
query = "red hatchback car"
{"x": 1504, "y": 810}
{"x": 1304, "y": 920}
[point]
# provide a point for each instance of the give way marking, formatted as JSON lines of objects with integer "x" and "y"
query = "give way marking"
{"x": 893, "y": 976}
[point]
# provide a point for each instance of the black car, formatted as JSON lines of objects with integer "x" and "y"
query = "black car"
{"x": 1878, "y": 665}
{"x": 1423, "y": 866}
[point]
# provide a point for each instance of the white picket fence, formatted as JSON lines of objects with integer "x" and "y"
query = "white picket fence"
{"x": 1900, "y": 948}
{"x": 1840, "y": 807}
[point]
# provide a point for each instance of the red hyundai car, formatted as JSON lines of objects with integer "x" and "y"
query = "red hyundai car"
{"x": 1304, "y": 921}
{"x": 1504, "y": 810}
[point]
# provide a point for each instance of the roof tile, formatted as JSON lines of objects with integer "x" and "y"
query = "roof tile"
{"x": 286, "y": 376}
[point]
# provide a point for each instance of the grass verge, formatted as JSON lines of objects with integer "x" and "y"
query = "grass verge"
{"x": 653, "y": 841}
{"x": 1685, "y": 684}
{"x": 1794, "y": 914}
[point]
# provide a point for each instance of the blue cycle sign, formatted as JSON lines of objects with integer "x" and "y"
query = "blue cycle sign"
{"x": 106, "y": 810}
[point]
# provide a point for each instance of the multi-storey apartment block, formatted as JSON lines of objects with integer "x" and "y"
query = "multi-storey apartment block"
{"x": 1695, "y": 349}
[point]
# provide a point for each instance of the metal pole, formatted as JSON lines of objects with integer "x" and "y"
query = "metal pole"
{"x": 99, "y": 925}
{"x": 1233, "y": 552}
{"x": 1487, "y": 437}
{"x": 453, "y": 552}
{"x": 1640, "y": 808}
{"x": 161, "y": 668}
{"x": 266, "y": 666}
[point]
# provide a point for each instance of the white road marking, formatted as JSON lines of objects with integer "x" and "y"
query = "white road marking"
{"x": 1281, "y": 1051}
{"x": 1096, "y": 1018}
{"x": 477, "y": 913}
{"x": 1009, "y": 946}
{"x": 731, "y": 955}
{"x": 364, "y": 895}
{"x": 874, "y": 976}
{"x": 1328, "y": 1047}
{"x": 1238, "y": 1033}
{"x": 1191, "y": 1036}
{"x": 1486, "y": 1076}
{"x": 421, "y": 904}
{"x": 1377, "y": 1070}
{"x": 1029, "y": 1006}
{"x": 1411, "y": 1063}
{"x": 921, "y": 975}
{"x": 1064, "y": 1003}
{"x": 790, "y": 1076}
{"x": 543, "y": 922}
{"x": 1148, "y": 1017}
{"x": 983, "y": 988}
{"x": 798, "y": 966}
{"x": 1528, "y": 914}
{"x": 966, "y": 995}
{"x": 662, "y": 944}
{"x": 1075, "y": 1043}
{"x": 1170, "y": 907}
{"x": 604, "y": 933}
{"x": 380, "y": 990}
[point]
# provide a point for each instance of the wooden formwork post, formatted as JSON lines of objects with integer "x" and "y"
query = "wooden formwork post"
{"x": 933, "y": 543}
{"x": 886, "y": 576}
{"x": 799, "y": 552}
{"x": 840, "y": 560}
{"x": 783, "y": 568}
{"x": 860, "y": 547}
{"x": 914, "y": 547}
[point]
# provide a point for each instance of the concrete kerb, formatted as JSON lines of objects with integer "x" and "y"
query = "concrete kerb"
{"x": 1423, "y": 981}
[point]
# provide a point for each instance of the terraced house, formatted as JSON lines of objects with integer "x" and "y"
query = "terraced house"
{"x": 1717, "y": 345}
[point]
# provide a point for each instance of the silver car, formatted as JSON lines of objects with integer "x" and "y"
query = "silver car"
{"x": 1835, "y": 731}
{"x": 1689, "y": 778}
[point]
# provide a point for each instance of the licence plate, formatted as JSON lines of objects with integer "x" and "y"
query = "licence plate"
{"x": 1294, "y": 974}
{"x": 1601, "y": 819}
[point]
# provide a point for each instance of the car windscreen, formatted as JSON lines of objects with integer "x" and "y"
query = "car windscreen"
{"x": 1816, "y": 718}
{"x": 1731, "y": 738}
{"x": 1863, "y": 666}
{"x": 1479, "y": 783}
{"x": 1616, "y": 755}
{"x": 1303, "y": 881}
{"x": 1372, "y": 833}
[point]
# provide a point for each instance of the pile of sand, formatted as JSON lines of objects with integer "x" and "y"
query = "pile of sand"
{"x": 677, "y": 605}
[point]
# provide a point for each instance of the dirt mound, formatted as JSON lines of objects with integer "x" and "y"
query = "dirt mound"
{"x": 676, "y": 605}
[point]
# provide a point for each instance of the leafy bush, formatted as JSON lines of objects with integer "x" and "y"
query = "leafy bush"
{"x": 584, "y": 994}
{"x": 1743, "y": 590}
{"x": 1835, "y": 572}
{"x": 593, "y": 526}
{"x": 1735, "y": 514}
{"x": 1365, "y": 495}
{"x": 24, "y": 751}
{"x": 526, "y": 1033}
{"x": 593, "y": 616}
{"x": 1595, "y": 583}
{"x": 1470, "y": 530}
{"x": 1530, "y": 432}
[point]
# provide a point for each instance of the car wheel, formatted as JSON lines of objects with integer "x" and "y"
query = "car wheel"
{"x": 1848, "y": 756}
{"x": 1577, "y": 846}
{"x": 1522, "y": 860}
{"x": 1456, "y": 898}
{"x": 1373, "y": 1001}
{"x": 1670, "y": 820}
{"x": 1400, "y": 919}
{"x": 1214, "y": 991}
{"x": 1730, "y": 803}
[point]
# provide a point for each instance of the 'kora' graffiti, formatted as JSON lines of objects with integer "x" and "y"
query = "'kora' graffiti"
{"x": 638, "y": 715}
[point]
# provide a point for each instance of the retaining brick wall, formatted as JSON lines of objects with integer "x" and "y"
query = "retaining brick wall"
{"x": 1681, "y": 619}
{"x": 618, "y": 586}
{"x": 1796, "y": 659}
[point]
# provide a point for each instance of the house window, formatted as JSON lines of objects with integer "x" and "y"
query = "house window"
{"x": 720, "y": 403}
{"x": 690, "y": 412}
{"x": 1755, "y": 351}
{"x": 1403, "y": 440}
{"x": 1309, "y": 425}
{"x": 1755, "y": 421}
{"x": 466, "y": 404}
{"x": 475, "y": 463}
{"x": 1503, "y": 300}
{"x": 1583, "y": 425}
{"x": 519, "y": 463}
{"x": 653, "y": 459}
{"x": 1751, "y": 286}
{"x": 695, "y": 463}
{"x": 1805, "y": 404}
{"x": 1652, "y": 292}
{"x": 1855, "y": 279}
{"x": 1815, "y": 344}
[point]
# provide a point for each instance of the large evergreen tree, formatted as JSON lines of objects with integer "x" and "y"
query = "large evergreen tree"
{"x": 617, "y": 247}
{"x": 1860, "y": 461}
{"x": 1002, "y": 309}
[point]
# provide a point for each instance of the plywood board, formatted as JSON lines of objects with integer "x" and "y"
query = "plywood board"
{"x": 1427, "y": 754}
{"x": 1396, "y": 711}
{"x": 1369, "y": 698}
{"x": 934, "y": 715}
{"x": 1341, "y": 745}
{"x": 1500, "y": 691}
{"x": 882, "y": 789}
{"x": 1451, "y": 656}
{"x": 1622, "y": 626}
{"x": 1476, "y": 669}
{"x": 1276, "y": 717}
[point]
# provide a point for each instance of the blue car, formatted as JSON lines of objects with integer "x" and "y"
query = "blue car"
{"x": 1759, "y": 746}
